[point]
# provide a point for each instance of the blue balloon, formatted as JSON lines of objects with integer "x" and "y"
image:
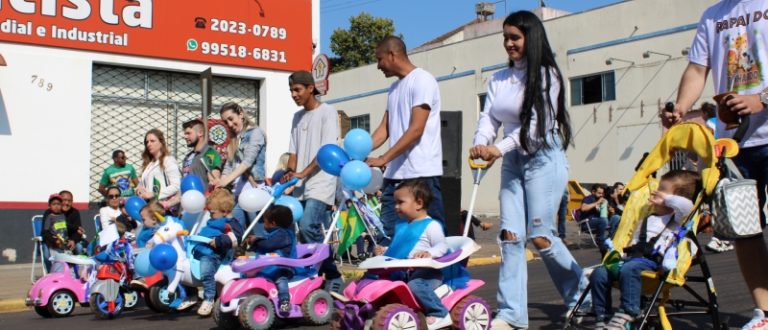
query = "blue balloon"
{"x": 142, "y": 264}
{"x": 133, "y": 206}
{"x": 163, "y": 257}
{"x": 331, "y": 158}
{"x": 355, "y": 175}
{"x": 358, "y": 144}
{"x": 192, "y": 182}
{"x": 292, "y": 203}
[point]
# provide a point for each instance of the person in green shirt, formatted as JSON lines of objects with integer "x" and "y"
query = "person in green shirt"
{"x": 119, "y": 174}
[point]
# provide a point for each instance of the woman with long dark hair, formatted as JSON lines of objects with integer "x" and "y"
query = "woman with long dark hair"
{"x": 528, "y": 99}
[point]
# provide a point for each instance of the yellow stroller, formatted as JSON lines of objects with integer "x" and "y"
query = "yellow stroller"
{"x": 693, "y": 138}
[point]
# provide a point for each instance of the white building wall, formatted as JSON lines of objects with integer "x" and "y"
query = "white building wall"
{"x": 605, "y": 150}
{"x": 48, "y": 148}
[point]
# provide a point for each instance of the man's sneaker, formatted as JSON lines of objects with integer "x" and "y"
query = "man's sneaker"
{"x": 499, "y": 324}
{"x": 727, "y": 246}
{"x": 758, "y": 321}
{"x": 334, "y": 285}
{"x": 205, "y": 308}
{"x": 434, "y": 322}
{"x": 285, "y": 306}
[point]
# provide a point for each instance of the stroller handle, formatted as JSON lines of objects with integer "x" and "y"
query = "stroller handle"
{"x": 475, "y": 165}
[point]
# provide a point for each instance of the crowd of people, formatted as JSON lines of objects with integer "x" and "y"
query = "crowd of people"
{"x": 527, "y": 98}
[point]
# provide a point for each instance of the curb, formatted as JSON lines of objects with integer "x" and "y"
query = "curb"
{"x": 12, "y": 305}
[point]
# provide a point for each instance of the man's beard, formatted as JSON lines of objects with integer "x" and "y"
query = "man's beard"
{"x": 193, "y": 143}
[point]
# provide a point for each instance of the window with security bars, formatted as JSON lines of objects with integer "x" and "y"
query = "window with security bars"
{"x": 362, "y": 121}
{"x": 128, "y": 102}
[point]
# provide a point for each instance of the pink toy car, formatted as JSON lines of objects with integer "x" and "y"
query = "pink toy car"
{"x": 251, "y": 302}
{"x": 386, "y": 304}
{"x": 56, "y": 294}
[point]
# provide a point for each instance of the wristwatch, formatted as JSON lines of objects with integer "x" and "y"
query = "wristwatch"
{"x": 764, "y": 98}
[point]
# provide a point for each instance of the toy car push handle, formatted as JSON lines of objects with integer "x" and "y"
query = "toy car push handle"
{"x": 477, "y": 168}
{"x": 280, "y": 188}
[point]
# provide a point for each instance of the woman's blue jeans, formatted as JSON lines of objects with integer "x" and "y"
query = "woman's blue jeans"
{"x": 531, "y": 190}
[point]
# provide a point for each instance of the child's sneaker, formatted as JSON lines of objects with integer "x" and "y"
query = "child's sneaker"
{"x": 285, "y": 306}
{"x": 600, "y": 325}
{"x": 758, "y": 321}
{"x": 620, "y": 321}
{"x": 205, "y": 308}
{"x": 434, "y": 322}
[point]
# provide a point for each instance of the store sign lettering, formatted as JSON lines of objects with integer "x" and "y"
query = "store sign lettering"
{"x": 136, "y": 13}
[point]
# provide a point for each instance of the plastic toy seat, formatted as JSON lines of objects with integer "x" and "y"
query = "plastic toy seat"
{"x": 313, "y": 255}
{"x": 460, "y": 247}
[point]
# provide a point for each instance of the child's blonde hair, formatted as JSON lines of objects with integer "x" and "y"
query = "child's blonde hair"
{"x": 221, "y": 200}
{"x": 157, "y": 211}
{"x": 282, "y": 163}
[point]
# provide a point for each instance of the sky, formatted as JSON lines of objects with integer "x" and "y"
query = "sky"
{"x": 422, "y": 20}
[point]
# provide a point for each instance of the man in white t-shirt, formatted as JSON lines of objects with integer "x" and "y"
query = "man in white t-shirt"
{"x": 731, "y": 42}
{"x": 412, "y": 124}
{"x": 313, "y": 126}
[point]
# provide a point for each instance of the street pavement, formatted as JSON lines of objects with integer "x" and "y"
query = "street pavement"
{"x": 545, "y": 305}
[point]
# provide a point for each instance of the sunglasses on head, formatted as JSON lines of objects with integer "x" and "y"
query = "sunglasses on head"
{"x": 113, "y": 196}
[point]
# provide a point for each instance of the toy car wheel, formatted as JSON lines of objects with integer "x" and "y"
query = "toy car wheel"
{"x": 61, "y": 303}
{"x": 226, "y": 321}
{"x": 257, "y": 313}
{"x": 160, "y": 298}
{"x": 471, "y": 312}
{"x": 131, "y": 299}
{"x": 100, "y": 306}
{"x": 397, "y": 316}
{"x": 318, "y": 307}
{"x": 42, "y": 311}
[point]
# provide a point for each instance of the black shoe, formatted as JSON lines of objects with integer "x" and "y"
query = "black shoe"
{"x": 285, "y": 306}
{"x": 362, "y": 256}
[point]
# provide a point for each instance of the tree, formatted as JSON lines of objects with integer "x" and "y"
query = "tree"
{"x": 357, "y": 46}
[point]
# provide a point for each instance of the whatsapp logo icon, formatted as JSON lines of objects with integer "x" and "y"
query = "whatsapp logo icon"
{"x": 191, "y": 45}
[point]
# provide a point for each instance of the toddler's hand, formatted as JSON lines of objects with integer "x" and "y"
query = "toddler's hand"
{"x": 421, "y": 254}
{"x": 379, "y": 250}
{"x": 212, "y": 243}
{"x": 485, "y": 225}
{"x": 70, "y": 245}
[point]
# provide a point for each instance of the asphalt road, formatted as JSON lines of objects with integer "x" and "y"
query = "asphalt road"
{"x": 545, "y": 306}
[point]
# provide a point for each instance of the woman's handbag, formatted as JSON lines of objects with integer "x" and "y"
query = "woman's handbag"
{"x": 736, "y": 210}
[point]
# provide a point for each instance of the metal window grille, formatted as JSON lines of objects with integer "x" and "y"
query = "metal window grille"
{"x": 128, "y": 102}
{"x": 362, "y": 121}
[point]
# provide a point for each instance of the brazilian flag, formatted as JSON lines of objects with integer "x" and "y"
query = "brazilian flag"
{"x": 211, "y": 159}
{"x": 351, "y": 227}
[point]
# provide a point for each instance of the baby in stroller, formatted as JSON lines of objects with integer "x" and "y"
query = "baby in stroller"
{"x": 653, "y": 246}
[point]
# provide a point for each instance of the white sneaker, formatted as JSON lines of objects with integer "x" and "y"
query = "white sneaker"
{"x": 499, "y": 324}
{"x": 758, "y": 321}
{"x": 187, "y": 303}
{"x": 716, "y": 245}
{"x": 727, "y": 246}
{"x": 205, "y": 308}
{"x": 439, "y": 322}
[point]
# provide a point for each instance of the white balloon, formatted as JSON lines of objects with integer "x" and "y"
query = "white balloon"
{"x": 193, "y": 201}
{"x": 253, "y": 200}
{"x": 377, "y": 179}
